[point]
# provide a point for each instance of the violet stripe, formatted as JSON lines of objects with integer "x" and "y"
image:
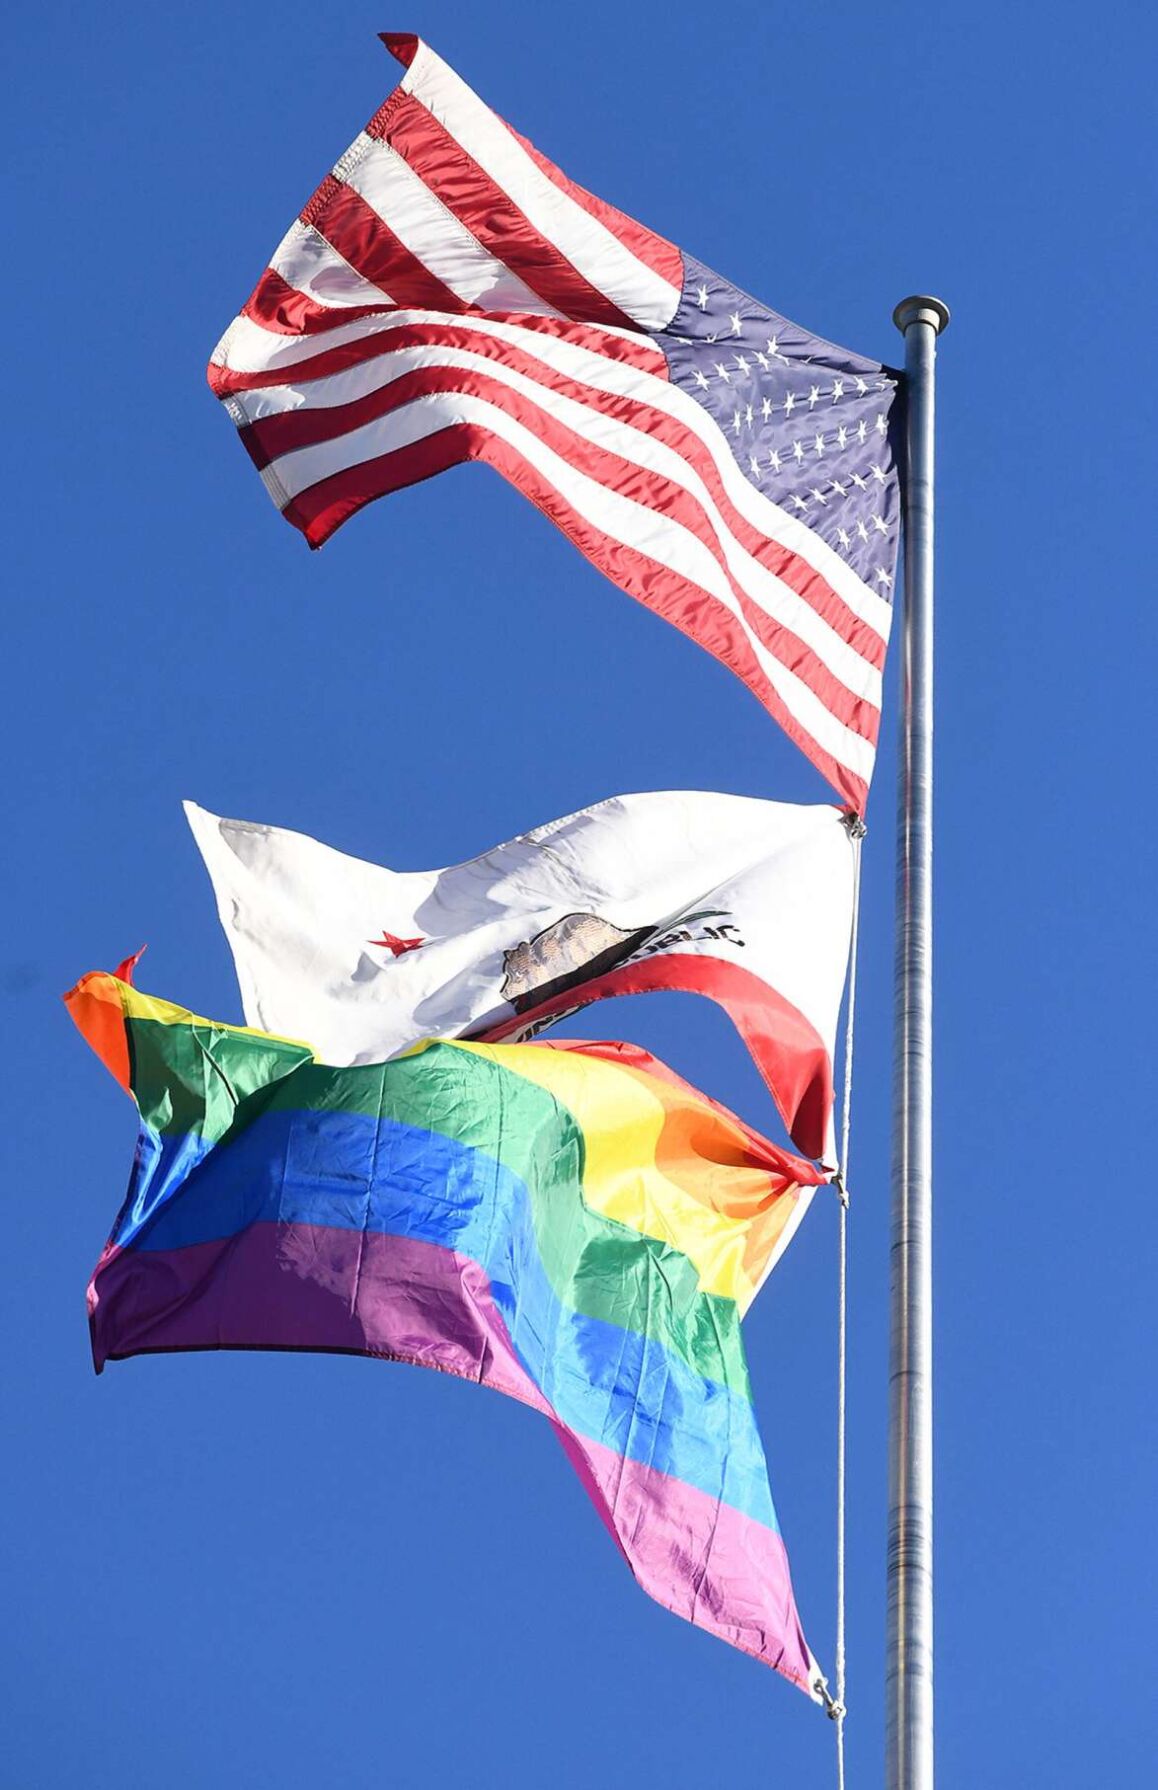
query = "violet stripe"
{"x": 704, "y": 1561}
{"x": 415, "y": 1302}
{"x": 287, "y": 1286}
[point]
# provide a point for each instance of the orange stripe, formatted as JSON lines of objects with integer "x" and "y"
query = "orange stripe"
{"x": 759, "y": 1186}
{"x": 98, "y": 1013}
{"x": 752, "y": 1191}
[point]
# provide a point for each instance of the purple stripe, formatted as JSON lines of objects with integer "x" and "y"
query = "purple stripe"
{"x": 703, "y": 1560}
{"x": 365, "y": 1294}
{"x": 405, "y": 1300}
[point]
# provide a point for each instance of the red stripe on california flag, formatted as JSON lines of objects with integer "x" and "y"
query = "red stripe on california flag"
{"x": 787, "y": 1049}
{"x": 322, "y": 509}
{"x": 271, "y": 438}
{"x": 361, "y": 237}
{"x": 491, "y": 215}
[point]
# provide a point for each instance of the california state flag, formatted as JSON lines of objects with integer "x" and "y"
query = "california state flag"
{"x": 745, "y": 901}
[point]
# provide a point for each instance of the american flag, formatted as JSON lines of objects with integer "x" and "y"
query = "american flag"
{"x": 449, "y": 295}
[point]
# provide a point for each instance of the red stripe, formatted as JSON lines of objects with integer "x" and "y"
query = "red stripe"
{"x": 402, "y": 44}
{"x": 630, "y": 351}
{"x": 791, "y": 568}
{"x": 492, "y": 216}
{"x": 326, "y": 505}
{"x": 654, "y": 251}
{"x": 272, "y": 437}
{"x": 279, "y": 306}
{"x": 786, "y": 1048}
{"x": 361, "y": 237}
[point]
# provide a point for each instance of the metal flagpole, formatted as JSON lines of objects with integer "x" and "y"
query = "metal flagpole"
{"x": 909, "y": 1641}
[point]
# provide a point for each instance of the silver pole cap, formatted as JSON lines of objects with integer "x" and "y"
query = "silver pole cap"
{"x": 921, "y": 309}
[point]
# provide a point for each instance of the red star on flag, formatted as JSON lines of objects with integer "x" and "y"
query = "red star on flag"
{"x": 396, "y": 946}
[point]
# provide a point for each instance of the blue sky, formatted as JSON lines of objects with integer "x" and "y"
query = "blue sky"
{"x": 267, "y": 1571}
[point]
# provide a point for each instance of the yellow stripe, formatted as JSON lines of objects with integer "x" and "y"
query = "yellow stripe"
{"x": 135, "y": 1005}
{"x": 621, "y": 1119}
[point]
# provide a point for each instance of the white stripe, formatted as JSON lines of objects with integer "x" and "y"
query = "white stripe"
{"x": 247, "y": 347}
{"x": 782, "y": 604}
{"x": 605, "y": 262}
{"x": 632, "y": 524}
{"x": 433, "y": 234}
{"x": 310, "y": 264}
{"x": 607, "y": 375}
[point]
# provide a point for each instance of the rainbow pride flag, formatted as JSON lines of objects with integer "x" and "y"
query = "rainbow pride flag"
{"x": 568, "y": 1223}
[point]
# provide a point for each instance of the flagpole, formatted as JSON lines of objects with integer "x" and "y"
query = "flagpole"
{"x": 909, "y": 1640}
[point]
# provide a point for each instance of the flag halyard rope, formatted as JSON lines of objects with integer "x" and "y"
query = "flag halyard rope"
{"x": 837, "y": 1707}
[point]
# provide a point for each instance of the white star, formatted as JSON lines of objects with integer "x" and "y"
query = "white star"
{"x": 747, "y": 413}
{"x": 837, "y": 389}
{"x": 766, "y": 409}
{"x": 798, "y": 450}
{"x": 884, "y": 577}
{"x": 842, "y": 436}
{"x": 881, "y": 424}
{"x": 722, "y": 370}
{"x": 754, "y": 462}
{"x": 879, "y": 474}
{"x": 762, "y": 359}
{"x": 774, "y": 350}
{"x": 862, "y": 531}
{"x": 813, "y": 395}
{"x": 702, "y": 298}
{"x": 880, "y": 525}
{"x": 774, "y": 461}
{"x": 789, "y": 404}
{"x": 861, "y": 430}
{"x": 743, "y": 365}
{"x": 818, "y": 445}
{"x": 736, "y": 421}
{"x": 701, "y": 378}
{"x": 734, "y": 320}
{"x": 844, "y": 538}
{"x": 800, "y": 502}
{"x": 882, "y": 385}
{"x": 859, "y": 481}
{"x": 861, "y": 387}
{"x": 835, "y": 485}
{"x": 819, "y": 496}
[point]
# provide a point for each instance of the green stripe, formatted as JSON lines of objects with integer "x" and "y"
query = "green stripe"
{"x": 192, "y": 1078}
{"x": 212, "y": 1081}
